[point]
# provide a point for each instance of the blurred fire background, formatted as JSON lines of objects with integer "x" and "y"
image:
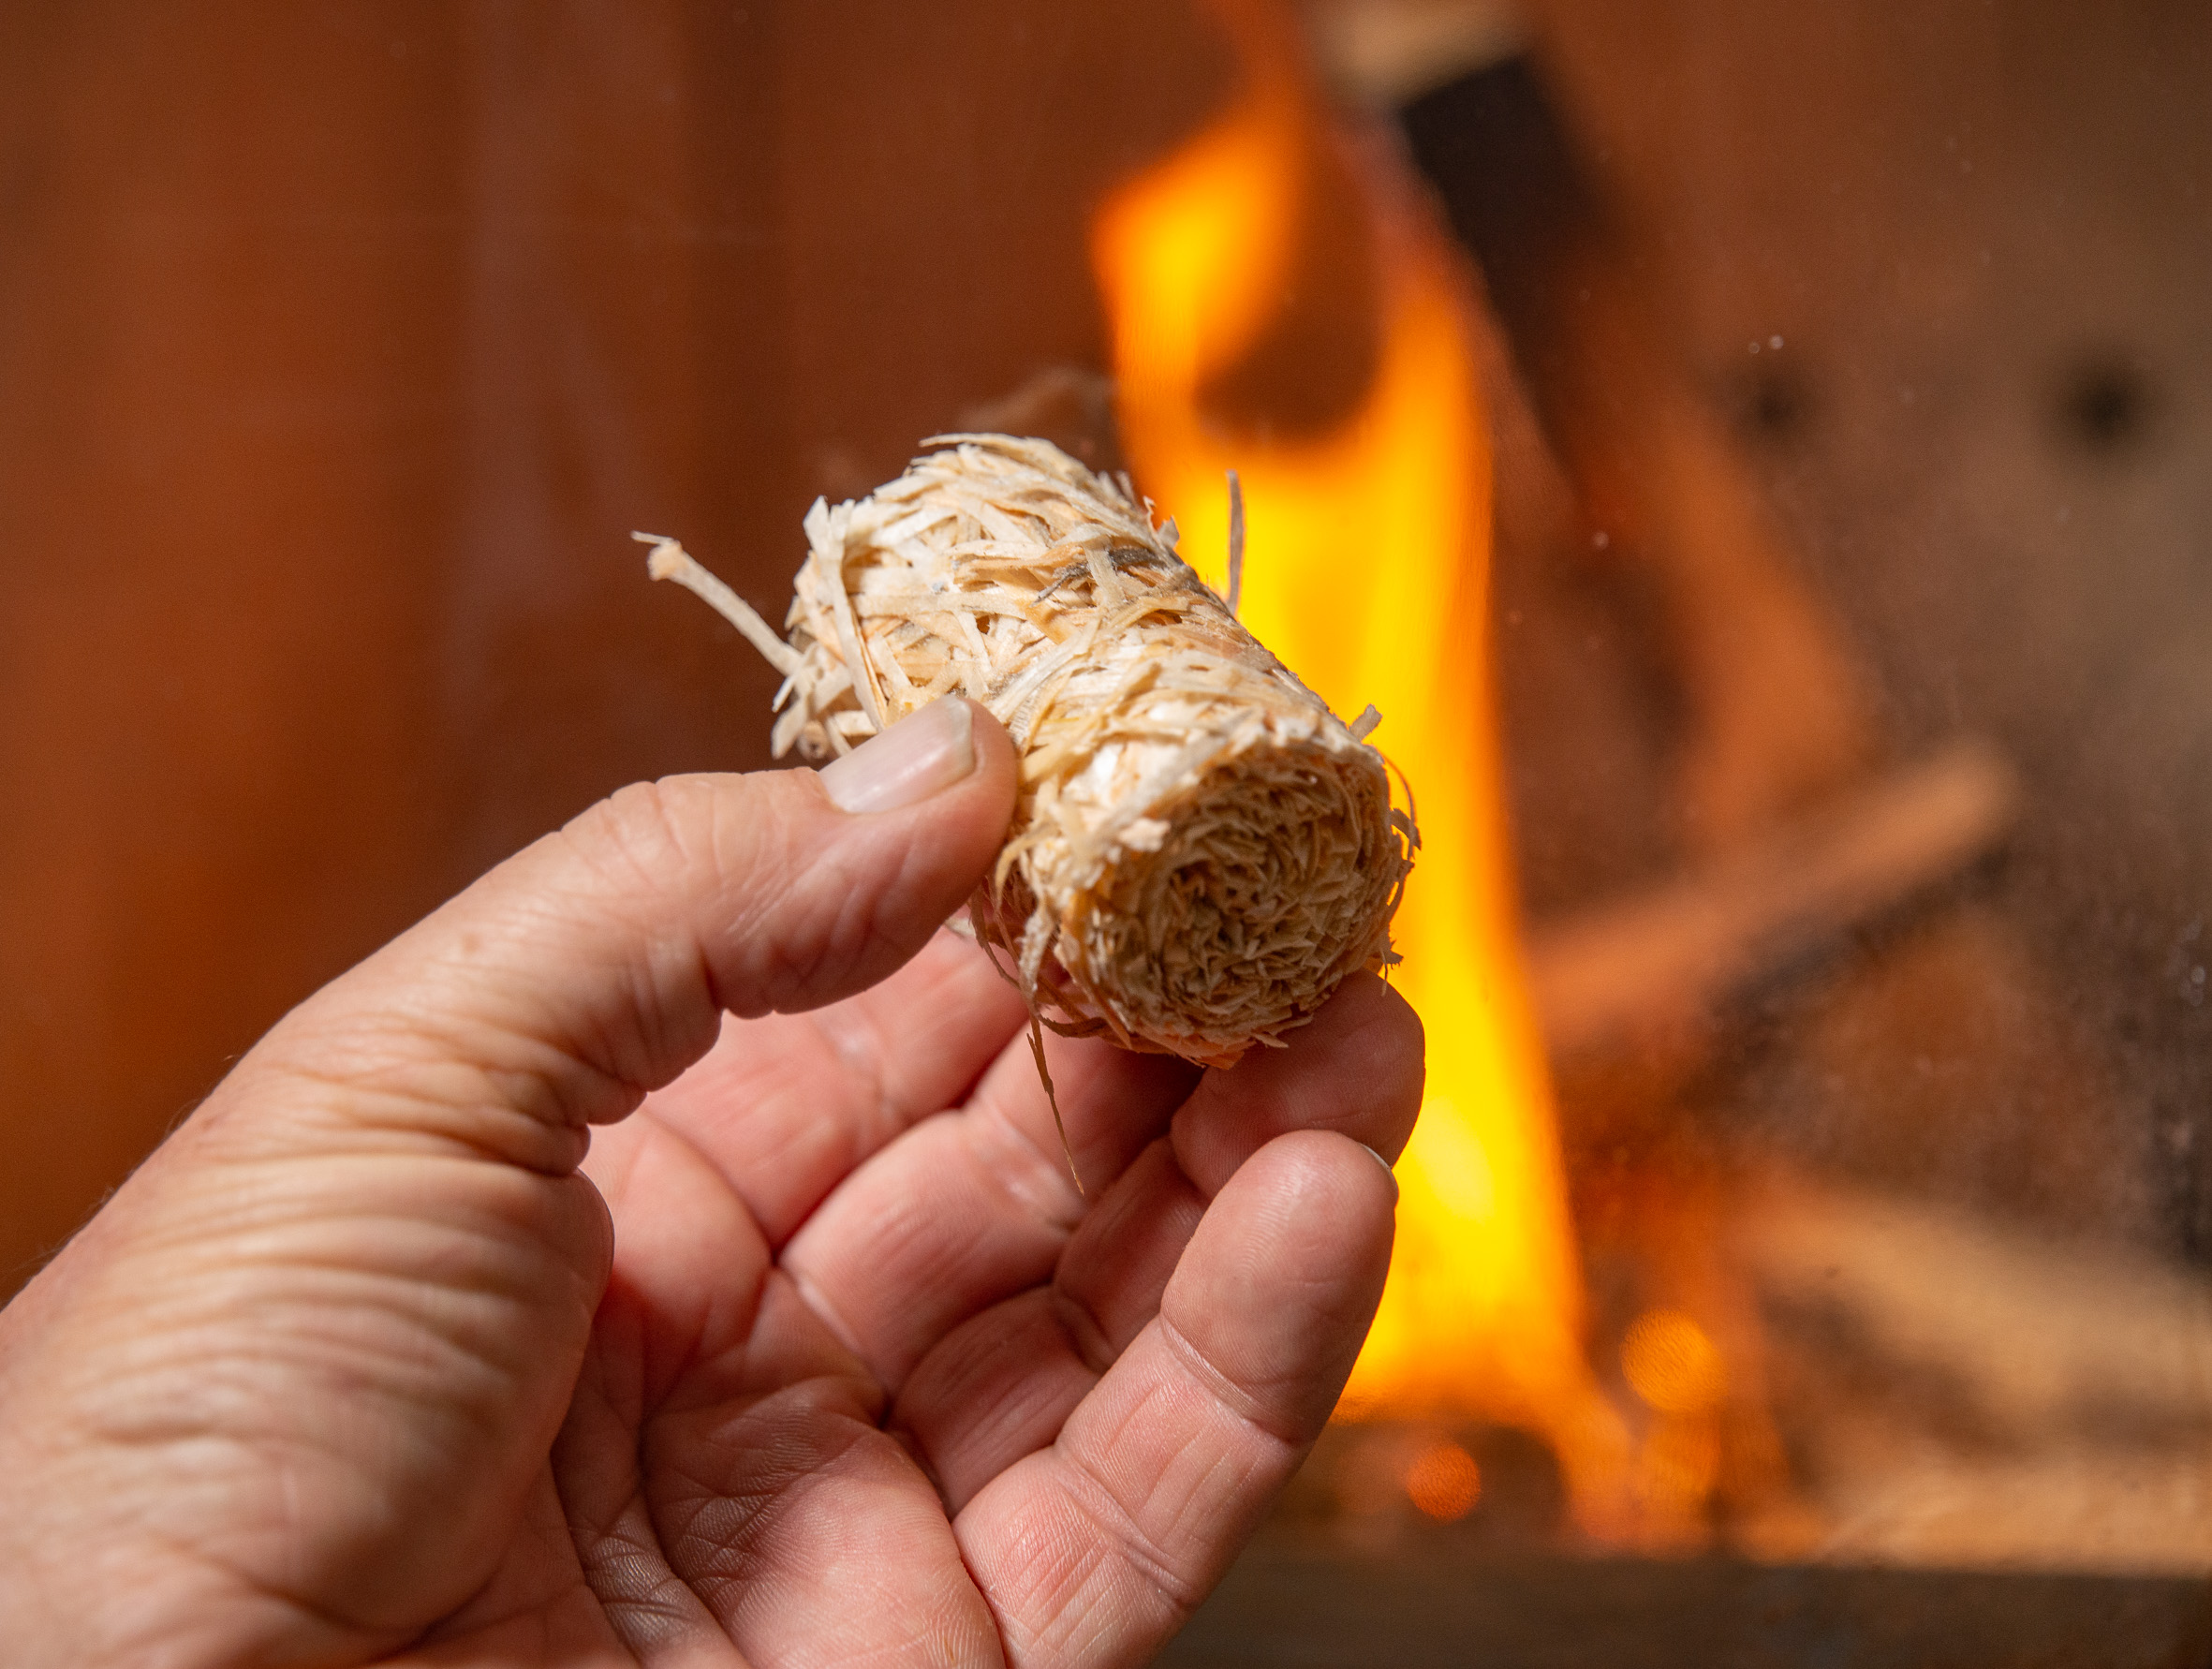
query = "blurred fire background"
{"x": 341, "y": 345}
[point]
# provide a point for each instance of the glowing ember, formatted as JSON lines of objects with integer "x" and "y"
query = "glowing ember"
{"x": 1444, "y": 1481}
{"x": 1669, "y": 1363}
{"x": 1484, "y": 1313}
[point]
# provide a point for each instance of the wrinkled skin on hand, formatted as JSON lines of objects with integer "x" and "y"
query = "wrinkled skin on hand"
{"x": 811, "y": 1354}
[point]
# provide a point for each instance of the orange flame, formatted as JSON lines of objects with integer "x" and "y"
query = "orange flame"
{"x": 1368, "y": 556}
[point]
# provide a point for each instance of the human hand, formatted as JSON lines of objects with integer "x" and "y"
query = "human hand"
{"x": 817, "y": 1357}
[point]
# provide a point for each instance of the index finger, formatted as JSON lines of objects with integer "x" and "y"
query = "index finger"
{"x": 786, "y": 1105}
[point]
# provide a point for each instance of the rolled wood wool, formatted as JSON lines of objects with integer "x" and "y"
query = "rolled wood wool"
{"x": 1201, "y": 850}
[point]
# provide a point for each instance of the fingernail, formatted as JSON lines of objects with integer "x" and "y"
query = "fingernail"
{"x": 924, "y": 752}
{"x": 1386, "y": 1170}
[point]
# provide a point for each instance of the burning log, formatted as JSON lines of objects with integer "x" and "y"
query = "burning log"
{"x": 1624, "y": 972}
{"x": 1201, "y": 850}
{"x": 2041, "y": 1405}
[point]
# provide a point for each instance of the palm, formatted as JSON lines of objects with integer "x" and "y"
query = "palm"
{"x": 872, "y": 1381}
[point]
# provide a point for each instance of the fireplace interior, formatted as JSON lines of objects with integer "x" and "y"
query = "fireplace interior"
{"x": 1818, "y": 566}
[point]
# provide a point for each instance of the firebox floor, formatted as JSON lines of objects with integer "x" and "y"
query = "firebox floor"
{"x": 1318, "y": 1611}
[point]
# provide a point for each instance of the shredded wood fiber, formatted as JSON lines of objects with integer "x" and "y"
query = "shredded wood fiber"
{"x": 1200, "y": 851}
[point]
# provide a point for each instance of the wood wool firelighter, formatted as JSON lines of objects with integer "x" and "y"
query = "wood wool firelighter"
{"x": 1201, "y": 850}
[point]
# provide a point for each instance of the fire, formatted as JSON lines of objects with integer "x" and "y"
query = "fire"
{"x": 1444, "y": 1481}
{"x": 1367, "y": 561}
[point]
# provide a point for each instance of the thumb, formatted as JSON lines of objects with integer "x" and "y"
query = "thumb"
{"x": 596, "y": 964}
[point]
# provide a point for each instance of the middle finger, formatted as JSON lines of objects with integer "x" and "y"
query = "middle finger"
{"x": 1000, "y": 1386}
{"x": 966, "y": 1210}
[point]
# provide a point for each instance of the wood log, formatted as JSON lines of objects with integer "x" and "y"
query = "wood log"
{"x": 1618, "y": 972}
